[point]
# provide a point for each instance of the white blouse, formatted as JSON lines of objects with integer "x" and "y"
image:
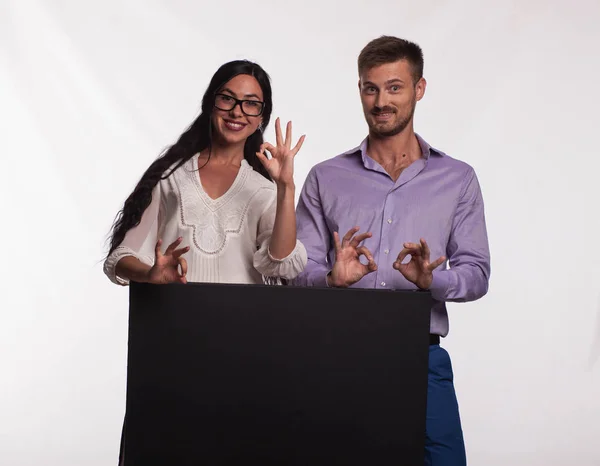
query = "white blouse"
{"x": 228, "y": 237}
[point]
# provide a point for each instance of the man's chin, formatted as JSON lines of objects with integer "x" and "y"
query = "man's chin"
{"x": 385, "y": 130}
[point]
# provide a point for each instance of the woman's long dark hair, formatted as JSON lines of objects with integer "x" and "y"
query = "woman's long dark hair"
{"x": 195, "y": 139}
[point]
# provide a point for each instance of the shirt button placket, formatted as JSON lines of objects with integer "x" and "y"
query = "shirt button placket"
{"x": 386, "y": 235}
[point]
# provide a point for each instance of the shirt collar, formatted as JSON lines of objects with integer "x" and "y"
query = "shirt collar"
{"x": 426, "y": 151}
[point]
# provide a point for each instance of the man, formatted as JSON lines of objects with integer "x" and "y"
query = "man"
{"x": 419, "y": 210}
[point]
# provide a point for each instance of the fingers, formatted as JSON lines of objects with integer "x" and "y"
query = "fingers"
{"x": 263, "y": 159}
{"x": 371, "y": 266}
{"x": 287, "y": 143}
{"x": 353, "y": 241}
{"x": 426, "y": 254}
{"x": 262, "y": 156}
{"x": 336, "y": 241}
{"x": 405, "y": 252}
{"x": 416, "y": 249}
{"x": 179, "y": 252}
{"x": 413, "y": 249}
{"x": 288, "y": 135}
{"x": 363, "y": 251}
{"x": 298, "y": 145}
{"x": 278, "y": 138}
{"x": 425, "y": 248}
{"x": 437, "y": 263}
{"x": 359, "y": 239}
{"x": 157, "y": 251}
{"x": 421, "y": 252}
{"x": 348, "y": 236}
{"x": 269, "y": 147}
{"x": 348, "y": 239}
{"x": 173, "y": 245}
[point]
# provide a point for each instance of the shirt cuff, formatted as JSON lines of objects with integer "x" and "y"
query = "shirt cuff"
{"x": 439, "y": 285}
{"x": 318, "y": 278}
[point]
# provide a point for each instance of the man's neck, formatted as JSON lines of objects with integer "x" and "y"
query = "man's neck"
{"x": 394, "y": 153}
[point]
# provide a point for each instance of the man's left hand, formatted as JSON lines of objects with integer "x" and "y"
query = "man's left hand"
{"x": 419, "y": 270}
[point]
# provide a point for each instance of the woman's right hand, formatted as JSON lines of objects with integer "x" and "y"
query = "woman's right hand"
{"x": 169, "y": 267}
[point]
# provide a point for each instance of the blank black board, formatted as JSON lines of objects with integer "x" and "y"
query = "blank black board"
{"x": 275, "y": 375}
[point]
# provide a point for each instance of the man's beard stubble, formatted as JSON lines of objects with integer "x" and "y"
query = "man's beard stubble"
{"x": 398, "y": 128}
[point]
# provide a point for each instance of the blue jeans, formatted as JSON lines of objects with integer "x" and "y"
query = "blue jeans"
{"x": 444, "y": 444}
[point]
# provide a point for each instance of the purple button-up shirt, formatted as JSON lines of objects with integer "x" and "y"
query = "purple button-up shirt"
{"x": 436, "y": 198}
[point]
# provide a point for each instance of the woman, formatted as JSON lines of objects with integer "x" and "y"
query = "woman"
{"x": 224, "y": 208}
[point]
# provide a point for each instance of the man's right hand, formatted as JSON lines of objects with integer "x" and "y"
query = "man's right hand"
{"x": 347, "y": 268}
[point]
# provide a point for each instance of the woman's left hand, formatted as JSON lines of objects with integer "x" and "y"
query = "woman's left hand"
{"x": 281, "y": 164}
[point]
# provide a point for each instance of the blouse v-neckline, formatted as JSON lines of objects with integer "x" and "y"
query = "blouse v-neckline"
{"x": 227, "y": 195}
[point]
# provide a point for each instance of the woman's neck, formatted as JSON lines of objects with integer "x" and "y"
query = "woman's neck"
{"x": 230, "y": 154}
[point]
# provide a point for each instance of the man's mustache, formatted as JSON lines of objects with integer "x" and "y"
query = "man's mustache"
{"x": 379, "y": 110}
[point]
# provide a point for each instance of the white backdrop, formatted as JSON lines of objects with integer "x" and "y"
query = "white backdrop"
{"x": 91, "y": 92}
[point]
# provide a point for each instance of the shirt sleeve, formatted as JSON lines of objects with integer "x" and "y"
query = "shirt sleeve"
{"x": 314, "y": 233}
{"x": 288, "y": 267}
{"x": 140, "y": 241}
{"x": 467, "y": 251}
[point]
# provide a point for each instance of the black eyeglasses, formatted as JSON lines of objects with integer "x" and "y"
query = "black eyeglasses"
{"x": 249, "y": 107}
